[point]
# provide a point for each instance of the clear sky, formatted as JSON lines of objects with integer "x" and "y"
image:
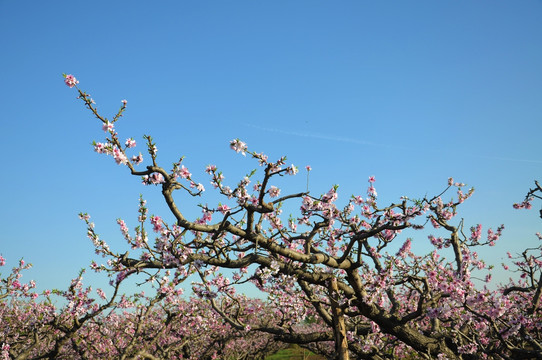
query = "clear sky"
{"x": 412, "y": 92}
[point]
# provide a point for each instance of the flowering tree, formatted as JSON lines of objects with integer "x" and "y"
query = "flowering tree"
{"x": 121, "y": 327}
{"x": 349, "y": 267}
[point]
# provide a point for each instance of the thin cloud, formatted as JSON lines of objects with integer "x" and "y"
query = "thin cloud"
{"x": 319, "y": 136}
{"x": 369, "y": 143}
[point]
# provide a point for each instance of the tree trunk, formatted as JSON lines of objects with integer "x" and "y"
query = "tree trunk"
{"x": 339, "y": 327}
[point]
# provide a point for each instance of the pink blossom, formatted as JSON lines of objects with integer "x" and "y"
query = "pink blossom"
{"x": 101, "y": 293}
{"x": 308, "y": 168}
{"x": 438, "y": 242}
{"x": 183, "y": 173}
{"x": 156, "y": 221}
{"x": 262, "y": 158}
{"x": 274, "y": 191}
{"x": 123, "y": 226}
{"x": 238, "y": 146}
{"x": 137, "y": 159}
{"x": 108, "y": 127}
{"x": 223, "y": 209}
{"x": 524, "y": 205}
{"x": 155, "y": 179}
{"x": 130, "y": 143}
{"x": 476, "y": 233}
{"x": 119, "y": 156}
{"x": 467, "y": 349}
{"x": 447, "y": 215}
{"x": 292, "y": 225}
{"x": 85, "y": 217}
{"x": 210, "y": 168}
{"x": 207, "y": 216}
{"x": 292, "y": 170}
{"x": 5, "y": 351}
{"x": 100, "y": 148}
{"x": 70, "y": 81}
{"x": 372, "y": 179}
{"x": 124, "y": 102}
{"x": 16, "y": 284}
{"x": 405, "y": 249}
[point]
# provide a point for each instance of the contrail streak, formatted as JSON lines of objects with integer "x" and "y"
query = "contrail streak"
{"x": 369, "y": 143}
{"x": 322, "y": 137}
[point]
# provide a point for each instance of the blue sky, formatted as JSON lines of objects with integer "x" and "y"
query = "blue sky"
{"x": 412, "y": 92}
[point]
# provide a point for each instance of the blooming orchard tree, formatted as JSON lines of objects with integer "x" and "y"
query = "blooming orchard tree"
{"x": 342, "y": 281}
{"x": 350, "y": 268}
{"x": 345, "y": 276}
{"x": 138, "y": 327}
